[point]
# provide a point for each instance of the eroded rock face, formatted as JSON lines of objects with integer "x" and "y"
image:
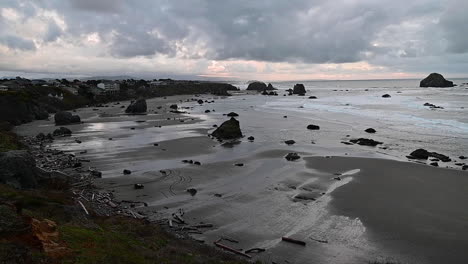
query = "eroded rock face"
{"x": 435, "y": 80}
{"x": 137, "y": 107}
{"x": 257, "y": 86}
{"x": 66, "y": 118}
{"x": 228, "y": 130}
{"x": 18, "y": 169}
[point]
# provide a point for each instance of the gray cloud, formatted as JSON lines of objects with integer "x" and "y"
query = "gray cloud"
{"x": 18, "y": 43}
{"x": 296, "y": 31}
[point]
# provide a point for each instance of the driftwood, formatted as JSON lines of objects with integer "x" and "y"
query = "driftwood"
{"x": 295, "y": 241}
{"x": 84, "y": 208}
{"x": 170, "y": 223}
{"x": 179, "y": 218}
{"x": 229, "y": 239}
{"x": 203, "y": 226}
{"x": 255, "y": 250}
{"x": 232, "y": 250}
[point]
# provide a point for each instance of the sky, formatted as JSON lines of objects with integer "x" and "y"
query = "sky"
{"x": 234, "y": 39}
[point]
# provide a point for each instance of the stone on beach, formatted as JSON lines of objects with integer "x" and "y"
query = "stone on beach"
{"x": 386, "y": 96}
{"x": 137, "y": 107}
{"x": 290, "y": 142}
{"x": 292, "y": 156}
{"x": 62, "y": 131}
{"x": 313, "y": 127}
{"x": 366, "y": 142}
{"x": 228, "y": 130}
{"x": 370, "y": 130}
{"x": 232, "y": 114}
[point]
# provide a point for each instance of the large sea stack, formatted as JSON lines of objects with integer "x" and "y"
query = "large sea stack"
{"x": 299, "y": 89}
{"x": 228, "y": 130}
{"x": 435, "y": 80}
{"x": 137, "y": 107}
{"x": 257, "y": 86}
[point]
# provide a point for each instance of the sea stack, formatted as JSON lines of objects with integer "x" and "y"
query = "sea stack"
{"x": 257, "y": 86}
{"x": 228, "y": 130}
{"x": 299, "y": 89}
{"x": 435, "y": 80}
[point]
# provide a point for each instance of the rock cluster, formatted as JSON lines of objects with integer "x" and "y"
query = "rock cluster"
{"x": 424, "y": 154}
{"x": 66, "y": 118}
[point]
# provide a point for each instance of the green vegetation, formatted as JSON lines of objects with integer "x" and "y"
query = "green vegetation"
{"x": 8, "y": 141}
{"x": 96, "y": 239}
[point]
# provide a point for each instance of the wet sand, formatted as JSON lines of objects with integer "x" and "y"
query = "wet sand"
{"x": 356, "y": 218}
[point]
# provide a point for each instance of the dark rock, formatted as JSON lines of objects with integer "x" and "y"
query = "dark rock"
{"x": 96, "y": 174}
{"x": 78, "y": 141}
{"x": 366, "y": 142}
{"x": 386, "y": 96}
{"x": 137, "y": 107}
{"x": 200, "y": 101}
{"x": 439, "y": 156}
{"x": 257, "y": 86}
{"x": 312, "y": 97}
{"x": 370, "y": 130}
{"x": 232, "y": 114}
{"x": 138, "y": 186}
{"x": 435, "y": 164}
{"x": 313, "y": 127}
{"x": 292, "y": 156}
{"x": 462, "y": 157}
{"x": 228, "y": 130}
{"x": 239, "y": 164}
{"x": 270, "y": 87}
{"x": 289, "y": 142}
{"x": 65, "y": 118}
{"x": 18, "y": 169}
{"x": 197, "y": 163}
{"x": 173, "y": 106}
{"x": 62, "y": 131}
{"x": 218, "y": 195}
{"x": 192, "y": 191}
{"x": 465, "y": 167}
{"x": 215, "y": 125}
{"x": 126, "y": 172}
{"x": 285, "y": 116}
{"x": 207, "y": 111}
{"x": 299, "y": 89}
{"x": 435, "y": 80}
{"x": 420, "y": 154}
{"x": 40, "y": 136}
{"x": 251, "y": 138}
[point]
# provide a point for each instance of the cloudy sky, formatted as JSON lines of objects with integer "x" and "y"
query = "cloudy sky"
{"x": 234, "y": 39}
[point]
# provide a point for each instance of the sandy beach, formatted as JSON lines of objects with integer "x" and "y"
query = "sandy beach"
{"x": 349, "y": 203}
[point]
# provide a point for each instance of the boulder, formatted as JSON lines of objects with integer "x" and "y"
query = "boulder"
{"x": 290, "y": 142}
{"x": 200, "y": 101}
{"x": 228, "y": 130}
{"x": 257, "y": 86}
{"x": 386, "y": 96}
{"x": 370, "y": 130}
{"x": 312, "y": 97}
{"x": 313, "y": 127}
{"x": 174, "y": 106}
{"x": 435, "y": 80}
{"x": 127, "y": 172}
{"x": 62, "y": 131}
{"x": 18, "y": 169}
{"x": 420, "y": 154}
{"x": 251, "y": 138}
{"x": 137, "y": 107}
{"x": 292, "y": 156}
{"x": 232, "y": 114}
{"x": 299, "y": 89}
{"x": 66, "y": 118}
{"x": 366, "y": 142}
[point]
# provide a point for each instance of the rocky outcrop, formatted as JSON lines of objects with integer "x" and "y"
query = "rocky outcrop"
{"x": 66, "y": 118}
{"x": 424, "y": 154}
{"x": 299, "y": 89}
{"x": 270, "y": 87}
{"x": 18, "y": 169}
{"x": 435, "y": 80}
{"x": 17, "y": 109}
{"x": 257, "y": 86}
{"x": 62, "y": 131}
{"x": 137, "y": 107}
{"x": 228, "y": 130}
